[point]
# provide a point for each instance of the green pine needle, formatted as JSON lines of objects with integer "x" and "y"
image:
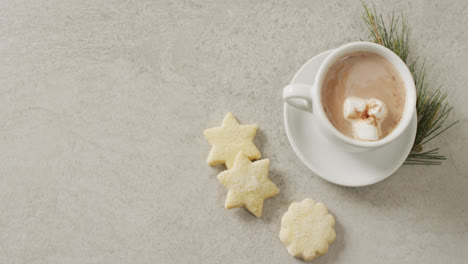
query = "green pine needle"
{"x": 432, "y": 107}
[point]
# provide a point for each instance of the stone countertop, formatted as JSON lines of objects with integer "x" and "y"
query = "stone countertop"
{"x": 102, "y": 108}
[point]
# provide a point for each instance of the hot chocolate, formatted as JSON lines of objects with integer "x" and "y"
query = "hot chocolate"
{"x": 372, "y": 85}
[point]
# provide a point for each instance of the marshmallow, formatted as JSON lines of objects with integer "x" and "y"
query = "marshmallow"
{"x": 366, "y": 130}
{"x": 353, "y": 108}
{"x": 366, "y": 116}
{"x": 377, "y": 109}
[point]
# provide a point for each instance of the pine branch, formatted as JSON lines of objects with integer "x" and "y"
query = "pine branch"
{"x": 432, "y": 107}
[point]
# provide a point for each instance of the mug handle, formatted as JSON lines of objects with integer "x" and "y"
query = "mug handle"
{"x": 293, "y": 93}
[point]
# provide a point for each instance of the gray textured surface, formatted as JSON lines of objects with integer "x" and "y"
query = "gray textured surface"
{"x": 102, "y": 108}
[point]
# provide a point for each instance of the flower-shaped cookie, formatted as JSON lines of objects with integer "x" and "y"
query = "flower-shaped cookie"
{"x": 307, "y": 229}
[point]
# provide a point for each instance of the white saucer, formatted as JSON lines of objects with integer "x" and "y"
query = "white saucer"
{"x": 326, "y": 159}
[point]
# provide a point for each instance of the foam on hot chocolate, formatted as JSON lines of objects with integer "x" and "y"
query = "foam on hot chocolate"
{"x": 366, "y": 116}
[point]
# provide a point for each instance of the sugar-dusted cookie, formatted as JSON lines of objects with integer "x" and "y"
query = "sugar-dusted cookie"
{"x": 307, "y": 229}
{"x": 230, "y": 138}
{"x": 248, "y": 184}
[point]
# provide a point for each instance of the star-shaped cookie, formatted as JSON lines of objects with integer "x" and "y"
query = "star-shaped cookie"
{"x": 307, "y": 229}
{"x": 229, "y": 139}
{"x": 248, "y": 184}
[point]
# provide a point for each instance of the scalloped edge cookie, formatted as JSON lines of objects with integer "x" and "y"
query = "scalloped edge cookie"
{"x": 307, "y": 229}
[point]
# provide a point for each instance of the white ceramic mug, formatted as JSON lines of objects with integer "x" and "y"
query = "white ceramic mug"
{"x": 308, "y": 97}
